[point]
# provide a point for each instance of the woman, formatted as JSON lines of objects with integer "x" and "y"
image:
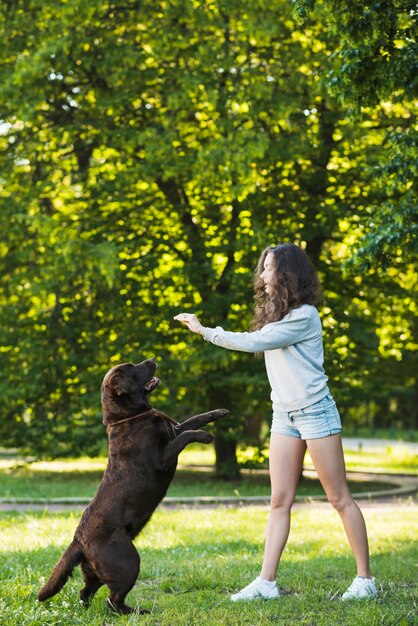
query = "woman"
{"x": 287, "y": 328}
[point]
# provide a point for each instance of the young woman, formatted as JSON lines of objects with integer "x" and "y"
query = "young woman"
{"x": 287, "y": 329}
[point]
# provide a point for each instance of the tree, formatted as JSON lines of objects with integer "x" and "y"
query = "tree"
{"x": 150, "y": 152}
{"x": 376, "y": 61}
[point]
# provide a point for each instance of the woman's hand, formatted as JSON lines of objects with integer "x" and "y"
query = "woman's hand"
{"x": 191, "y": 321}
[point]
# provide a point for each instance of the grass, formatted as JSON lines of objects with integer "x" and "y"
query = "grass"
{"x": 193, "y": 559}
{"x": 395, "y": 434}
{"x": 46, "y": 482}
{"x": 393, "y": 459}
{"x": 79, "y": 478}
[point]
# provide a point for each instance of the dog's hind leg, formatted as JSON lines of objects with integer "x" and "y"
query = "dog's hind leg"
{"x": 92, "y": 583}
{"x": 118, "y": 567}
{"x": 122, "y": 582}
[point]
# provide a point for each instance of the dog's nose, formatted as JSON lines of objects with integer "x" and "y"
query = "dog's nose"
{"x": 151, "y": 360}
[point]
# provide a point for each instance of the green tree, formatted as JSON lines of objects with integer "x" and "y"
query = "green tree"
{"x": 149, "y": 153}
{"x": 376, "y": 62}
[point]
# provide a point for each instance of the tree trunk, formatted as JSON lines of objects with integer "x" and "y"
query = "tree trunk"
{"x": 226, "y": 464}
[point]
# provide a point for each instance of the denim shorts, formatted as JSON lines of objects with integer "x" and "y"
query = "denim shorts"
{"x": 312, "y": 422}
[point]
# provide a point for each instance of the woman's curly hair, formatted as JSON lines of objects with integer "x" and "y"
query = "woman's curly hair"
{"x": 295, "y": 283}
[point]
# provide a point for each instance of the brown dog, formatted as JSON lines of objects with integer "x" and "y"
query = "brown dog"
{"x": 143, "y": 448}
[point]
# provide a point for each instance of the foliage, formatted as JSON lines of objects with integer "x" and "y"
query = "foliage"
{"x": 191, "y": 563}
{"x": 376, "y": 55}
{"x": 376, "y": 62}
{"x": 149, "y": 152}
{"x": 302, "y": 8}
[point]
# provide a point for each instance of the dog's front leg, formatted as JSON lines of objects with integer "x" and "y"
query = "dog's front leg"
{"x": 174, "y": 447}
{"x": 197, "y": 421}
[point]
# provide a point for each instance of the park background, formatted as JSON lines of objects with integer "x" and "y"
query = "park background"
{"x": 149, "y": 152}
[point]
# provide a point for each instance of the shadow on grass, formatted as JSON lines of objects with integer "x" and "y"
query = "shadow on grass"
{"x": 191, "y": 584}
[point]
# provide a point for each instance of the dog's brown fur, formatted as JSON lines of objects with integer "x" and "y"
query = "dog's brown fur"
{"x": 143, "y": 448}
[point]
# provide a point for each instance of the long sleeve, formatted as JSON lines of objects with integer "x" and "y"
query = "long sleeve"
{"x": 299, "y": 325}
{"x": 293, "y": 353}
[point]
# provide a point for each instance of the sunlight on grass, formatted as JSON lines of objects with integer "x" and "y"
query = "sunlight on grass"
{"x": 394, "y": 458}
{"x": 83, "y": 464}
{"x": 196, "y": 454}
{"x": 42, "y": 482}
{"x": 79, "y": 478}
{"x": 193, "y": 559}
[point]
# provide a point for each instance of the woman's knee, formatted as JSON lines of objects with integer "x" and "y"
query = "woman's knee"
{"x": 282, "y": 501}
{"x": 340, "y": 500}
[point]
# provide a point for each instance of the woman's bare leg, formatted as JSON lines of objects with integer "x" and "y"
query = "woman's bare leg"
{"x": 328, "y": 459}
{"x": 286, "y": 462}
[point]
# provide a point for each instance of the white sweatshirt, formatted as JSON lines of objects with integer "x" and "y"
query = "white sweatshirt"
{"x": 293, "y": 354}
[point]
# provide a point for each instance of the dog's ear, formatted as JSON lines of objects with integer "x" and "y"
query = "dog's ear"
{"x": 122, "y": 384}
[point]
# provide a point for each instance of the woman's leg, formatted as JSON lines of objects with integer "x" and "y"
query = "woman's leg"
{"x": 286, "y": 462}
{"x": 328, "y": 459}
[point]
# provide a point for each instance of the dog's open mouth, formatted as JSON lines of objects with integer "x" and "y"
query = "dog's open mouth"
{"x": 152, "y": 384}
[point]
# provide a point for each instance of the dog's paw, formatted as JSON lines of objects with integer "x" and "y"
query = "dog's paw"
{"x": 203, "y": 437}
{"x": 123, "y": 609}
{"x": 218, "y": 414}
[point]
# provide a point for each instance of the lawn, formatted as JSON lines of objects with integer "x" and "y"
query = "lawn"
{"x": 193, "y": 559}
{"x": 78, "y": 478}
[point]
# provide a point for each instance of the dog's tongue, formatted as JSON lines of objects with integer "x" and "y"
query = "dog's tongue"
{"x": 152, "y": 384}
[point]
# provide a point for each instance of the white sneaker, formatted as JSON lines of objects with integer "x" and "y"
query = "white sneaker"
{"x": 257, "y": 589}
{"x": 360, "y": 589}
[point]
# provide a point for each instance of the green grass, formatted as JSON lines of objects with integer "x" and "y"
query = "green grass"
{"x": 79, "y": 478}
{"x": 395, "y": 434}
{"x": 394, "y": 459}
{"x": 193, "y": 559}
{"x": 35, "y": 483}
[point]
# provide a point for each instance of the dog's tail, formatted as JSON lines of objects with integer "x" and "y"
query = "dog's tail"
{"x": 62, "y": 571}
